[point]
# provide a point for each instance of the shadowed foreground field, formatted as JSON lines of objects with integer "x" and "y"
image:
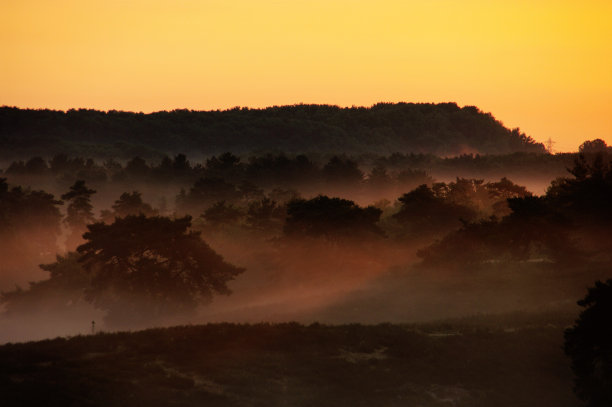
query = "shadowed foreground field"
{"x": 512, "y": 361}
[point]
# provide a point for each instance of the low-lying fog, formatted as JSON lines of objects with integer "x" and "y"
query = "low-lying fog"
{"x": 366, "y": 280}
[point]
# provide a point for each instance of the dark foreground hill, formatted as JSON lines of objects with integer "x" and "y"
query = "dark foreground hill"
{"x": 443, "y": 129}
{"x": 294, "y": 365}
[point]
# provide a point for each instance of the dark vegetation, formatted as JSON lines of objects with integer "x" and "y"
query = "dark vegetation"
{"x": 383, "y": 128}
{"x": 589, "y": 344}
{"x": 238, "y": 174}
{"x": 323, "y": 237}
{"x": 467, "y": 226}
{"x": 331, "y": 218}
{"x": 460, "y": 363}
{"x": 150, "y": 267}
{"x": 568, "y": 226}
{"x": 30, "y": 222}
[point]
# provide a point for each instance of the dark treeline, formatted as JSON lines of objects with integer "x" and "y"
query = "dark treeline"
{"x": 288, "y": 170}
{"x": 225, "y": 190}
{"x": 218, "y": 202}
{"x": 443, "y": 129}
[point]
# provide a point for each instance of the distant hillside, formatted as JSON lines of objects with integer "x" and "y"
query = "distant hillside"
{"x": 292, "y": 365}
{"x": 442, "y": 129}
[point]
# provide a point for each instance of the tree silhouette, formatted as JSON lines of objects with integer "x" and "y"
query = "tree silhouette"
{"x": 378, "y": 176}
{"x": 29, "y": 222}
{"x": 332, "y": 218}
{"x": 265, "y": 214}
{"x": 79, "y": 212}
{"x": 150, "y": 268}
{"x": 181, "y": 165}
{"x": 585, "y": 197}
{"x": 222, "y": 213}
{"x": 36, "y": 166}
{"x": 205, "y": 192}
{"x": 280, "y": 170}
{"x": 137, "y": 168}
{"x": 128, "y": 204}
{"x": 62, "y": 292}
{"x": 425, "y": 211}
{"x": 500, "y": 192}
{"x": 132, "y": 204}
{"x": 593, "y": 146}
{"x": 226, "y": 166}
{"x": 342, "y": 170}
{"x": 589, "y": 345}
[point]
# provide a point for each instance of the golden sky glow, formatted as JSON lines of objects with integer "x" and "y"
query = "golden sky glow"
{"x": 544, "y": 66}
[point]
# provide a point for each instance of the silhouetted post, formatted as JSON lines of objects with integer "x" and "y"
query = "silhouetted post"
{"x": 93, "y": 327}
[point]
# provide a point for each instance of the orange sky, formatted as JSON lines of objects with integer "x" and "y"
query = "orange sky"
{"x": 544, "y": 66}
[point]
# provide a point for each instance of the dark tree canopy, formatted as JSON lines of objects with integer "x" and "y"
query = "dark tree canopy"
{"x": 444, "y": 129}
{"x": 569, "y": 225}
{"x": 379, "y": 175}
{"x": 227, "y": 166}
{"x": 587, "y": 195}
{"x": 26, "y": 209}
{"x": 151, "y": 267}
{"x": 332, "y": 218}
{"x": 128, "y": 204}
{"x": 594, "y": 146}
{"x": 79, "y": 211}
{"x": 137, "y": 168}
{"x": 281, "y": 170}
{"x": 62, "y": 292}
{"x": 222, "y": 213}
{"x": 589, "y": 345}
{"x": 265, "y": 214}
{"x": 342, "y": 171}
{"x": 29, "y": 222}
{"x": 204, "y": 193}
{"x": 426, "y": 211}
{"x": 131, "y": 204}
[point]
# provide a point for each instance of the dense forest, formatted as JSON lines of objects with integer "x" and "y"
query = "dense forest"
{"x": 442, "y": 129}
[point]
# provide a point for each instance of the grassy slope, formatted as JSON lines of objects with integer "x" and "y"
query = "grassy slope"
{"x": 455, "y": 364}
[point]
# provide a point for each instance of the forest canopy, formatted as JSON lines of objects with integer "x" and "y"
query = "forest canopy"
{"x": 444, "y": 129}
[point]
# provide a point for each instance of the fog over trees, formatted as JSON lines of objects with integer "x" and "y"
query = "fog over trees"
{"x": 462, "y": 224}
{"x": 386, "y": 232}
